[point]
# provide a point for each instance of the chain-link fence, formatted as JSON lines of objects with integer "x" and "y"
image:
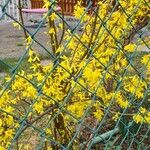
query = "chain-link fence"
{"x": 93, "y": 92}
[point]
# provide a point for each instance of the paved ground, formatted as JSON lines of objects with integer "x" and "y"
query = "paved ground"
{"x": 12, "y": 40}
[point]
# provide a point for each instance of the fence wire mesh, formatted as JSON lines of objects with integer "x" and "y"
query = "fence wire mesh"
{"x": 94, "y": 90}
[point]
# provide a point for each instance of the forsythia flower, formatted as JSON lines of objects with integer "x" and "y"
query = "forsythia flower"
{"x": 98, "y": 114}
{"x": 47, "y": 4}
{"x": 130, "y": 47}
{"x": 142, "y": 116}
{"x": 29, "y": 40}
{"x": 146, "y": 59}
{"x": 116, "y": 116}
{"x": 15, "y": 24}
{"x": 79, "y": 12}
{"x": 88, "y": 74}
{"x": 38, "y": 106}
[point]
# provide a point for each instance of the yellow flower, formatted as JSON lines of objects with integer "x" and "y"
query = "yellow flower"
{"x": 98, "y": 114}
{"x": 138, "y": 118}
{"x": 121, "y": 101}
{"x": 116, "y": 116}
{"x": 8, "y": 134}
{"x": 52, "y": 31}
{"x": 1, "y": 122}
{"x": 47, "y": 4}
{"x": 69, "y": 80}
{"x": 38, "y": 106}
{"x": 59, "y": 49}
{"x": 15, "y": 24}
{"x": 130, "y": 47}
{"x": 143, "y": 110}
{"x": 7, "y": 78}
{"x": 30, "y": 52}
{"x": 2, "y": 148}
{"x": 145, "y": 59}
{"x": 48, "y": 131}
{"x": 147, "y": 118}
{"x": 27, "y": 147}
{"x": 79, "y": 11}
{"x": 60, "y": 25}
{"x": 53, "y": 16}
{"x": 28, "y": 40}
{"x": 9, "y": 120}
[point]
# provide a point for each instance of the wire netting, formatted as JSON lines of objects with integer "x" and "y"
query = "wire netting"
{"x": 94, "y": 93}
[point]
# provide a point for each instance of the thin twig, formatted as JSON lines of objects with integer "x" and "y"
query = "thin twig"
{"x": 21, "y": 17}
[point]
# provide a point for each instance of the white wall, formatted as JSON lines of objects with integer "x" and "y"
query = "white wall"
{"x": 11, "y": 9}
